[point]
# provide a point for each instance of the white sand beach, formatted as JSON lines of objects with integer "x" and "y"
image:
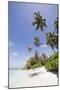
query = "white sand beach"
{"x": 33, "y": 77}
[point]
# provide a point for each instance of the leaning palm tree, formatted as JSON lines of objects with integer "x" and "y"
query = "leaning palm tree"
{"x": 39, "y": 21}
{"x": 37, "y": 44}
{"x": 50, "y": 37}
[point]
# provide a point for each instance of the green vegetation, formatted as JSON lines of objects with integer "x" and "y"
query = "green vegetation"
{"x": 34, "y": 62}
{"x": 52, "y": 63}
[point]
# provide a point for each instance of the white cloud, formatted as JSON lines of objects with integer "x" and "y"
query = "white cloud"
{"x": 44, "y": 45}
{"x": 15, "y": 53}
{"x": 11, "y": 44}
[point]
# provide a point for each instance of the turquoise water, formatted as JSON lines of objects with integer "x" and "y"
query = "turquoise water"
{"x": 17, "y": 77}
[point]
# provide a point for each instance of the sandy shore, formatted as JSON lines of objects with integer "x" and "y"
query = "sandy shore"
{"x": 36, "y": 77}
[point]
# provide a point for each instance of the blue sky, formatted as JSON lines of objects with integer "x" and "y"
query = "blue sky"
{"x": 21, "y": 31}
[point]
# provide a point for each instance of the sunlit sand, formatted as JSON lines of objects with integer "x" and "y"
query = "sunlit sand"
{"x": 33, "y": 77}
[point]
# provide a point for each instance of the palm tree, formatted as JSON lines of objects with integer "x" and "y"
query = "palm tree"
{"x": 45, "y": 58}
{"x": 39, "y": 21}
{"x": 50, "y": 39}
{"x": 37, "y": 44}
{"x": 56, "y": 23}
{"x": 30, "y": 48}
{"x": 56, "y": 41}
{"x": 53, "y": 37}
{"x": 36, "y": 41}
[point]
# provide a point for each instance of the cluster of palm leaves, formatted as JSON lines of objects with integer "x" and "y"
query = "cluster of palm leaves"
{"x": 52, "y": 40}
{"x": 51, "y": 37}
{"x": 39, "y": 21}
{"x": 36, "y": 41}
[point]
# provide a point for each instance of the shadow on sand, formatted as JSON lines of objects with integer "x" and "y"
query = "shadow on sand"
{"x": 35, "y": 74}
{"x": 55, "y": 72}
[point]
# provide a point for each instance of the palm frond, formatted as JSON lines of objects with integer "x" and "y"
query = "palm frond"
{"x": 39, "y": 21}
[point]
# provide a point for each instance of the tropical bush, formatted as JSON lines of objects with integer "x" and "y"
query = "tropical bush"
{"x": 34, "y": 62}
{"x": 36, "y": 65}
{"x": 52, "y": 63}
